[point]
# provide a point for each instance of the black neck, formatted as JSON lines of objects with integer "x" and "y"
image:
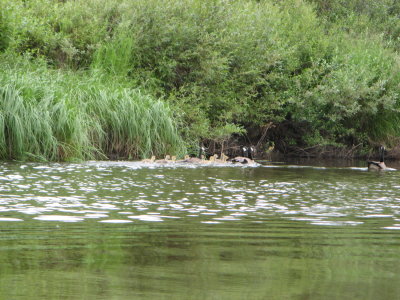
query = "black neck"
{"x": 250, "y": 153}
{"x": 200, "y": 152}
{"x": 382, "y": 154}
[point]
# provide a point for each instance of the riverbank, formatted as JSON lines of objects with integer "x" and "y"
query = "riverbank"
{"x": 100, "y": 78}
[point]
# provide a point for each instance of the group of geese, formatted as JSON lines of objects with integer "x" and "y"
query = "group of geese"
{"x": 246, "y": 158}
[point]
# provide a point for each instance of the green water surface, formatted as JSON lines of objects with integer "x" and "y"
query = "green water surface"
{"x": 122, "y": 230}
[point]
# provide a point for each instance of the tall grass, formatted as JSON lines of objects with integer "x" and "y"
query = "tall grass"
{"x": 133, "y": 124}
{"x": 220, "y": 65}
{"x": 25, "y": 128}
{"x": 49, "y": 115}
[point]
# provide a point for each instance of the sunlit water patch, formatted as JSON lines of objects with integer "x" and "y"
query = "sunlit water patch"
{"x": 98, "y": 191}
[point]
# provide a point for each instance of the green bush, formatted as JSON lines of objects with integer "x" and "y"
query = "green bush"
{"x": 363, "y": 16}
{"x": 328, "y": 68}
{"x": 4, "y": 28}
{"x": 53, "y": 115}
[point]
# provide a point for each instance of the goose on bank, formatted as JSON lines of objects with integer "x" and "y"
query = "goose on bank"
{"x": 378, "y": 165}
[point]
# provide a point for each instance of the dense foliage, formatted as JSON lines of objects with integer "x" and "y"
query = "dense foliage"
{"x": 323, "y": 72}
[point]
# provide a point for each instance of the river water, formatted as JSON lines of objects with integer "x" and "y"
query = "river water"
{"x": 124, "y": 230}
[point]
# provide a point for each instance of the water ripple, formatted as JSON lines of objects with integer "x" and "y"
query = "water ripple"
{"x": 121, "y": 192}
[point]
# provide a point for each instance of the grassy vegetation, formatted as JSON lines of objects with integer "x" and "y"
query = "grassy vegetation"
{"x": 87, "y": 78}
{"x": 53, "y": 115}
{"x": 363, "y": 16}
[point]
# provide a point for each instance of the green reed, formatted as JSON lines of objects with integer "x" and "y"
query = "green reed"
{"x": 49, "y": 115}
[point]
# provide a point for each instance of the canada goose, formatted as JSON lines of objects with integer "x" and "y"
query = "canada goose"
{"x": 149, "y": 160}
{"x": 185, "y": 158}
{"x": 243, "y": 159}
{"x": 195, "y": 160}
{"x": 199, "y": 159}
{"x": 250, "y": 152}
{"x": 205, "y": 161}
{"x": 246, "y": 158}
{"x": 269, "y": 150}
{"x": 166, "y": 160}
{"x": 202, "y": 150}
{"x": 223, "y": 159}
{"x": 375, "y": 165}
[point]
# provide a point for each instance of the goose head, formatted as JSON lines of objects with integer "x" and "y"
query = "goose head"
{"x": 201, "y": 151}
{"x": 251, "y": 152}
{"x": 244, "y": 151}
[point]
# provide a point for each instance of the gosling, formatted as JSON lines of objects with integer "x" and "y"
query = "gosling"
{"x": 199, "y": 159}
{"x": 149, "y": 160}
{"x": 166, "y": 160}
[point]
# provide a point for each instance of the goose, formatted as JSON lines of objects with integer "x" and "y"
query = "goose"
{"x": 223, "y": 159}
{"x": 166, "y": 160}
{"x": 250, "y": 152}
{"x": 204, "y": 161}
{"x": 199, "y": 159}
{"x": 247, "y": 156}
{"x": 149, "y": 160}
{"x": 243, "y": 159}
{"x": 375, "y": 165}
{"x": 195, "y": 160}
{"x": 185, "y": 158}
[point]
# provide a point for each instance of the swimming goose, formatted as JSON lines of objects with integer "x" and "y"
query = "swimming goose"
{"x": 195, "y": 160}
{"x": 250, "y": 152}
{"x": 185, "y": 158}
{"x": 199, "y": 159}
{"x": 166, "y": 160}
{"x": 246, "y": 158}
{"x": 223, "y": 159}
{"x": 241, "y": 159}
{"x": 374, "y": 165}
{"x": 149, "y": 160}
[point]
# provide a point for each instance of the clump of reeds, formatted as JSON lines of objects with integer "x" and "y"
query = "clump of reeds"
{"x": 49, "y": 115}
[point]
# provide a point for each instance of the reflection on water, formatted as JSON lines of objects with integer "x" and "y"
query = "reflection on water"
{"x": 129, "y": 192}
{"x": 121, "y": 230}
